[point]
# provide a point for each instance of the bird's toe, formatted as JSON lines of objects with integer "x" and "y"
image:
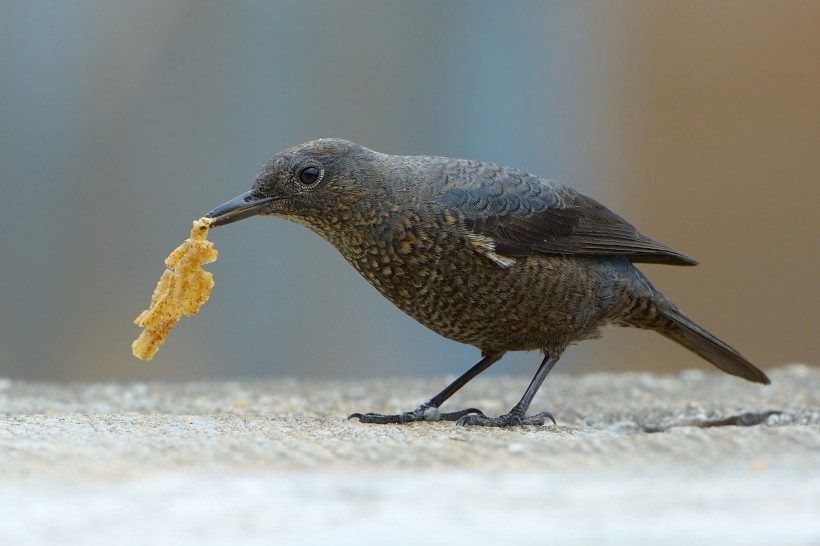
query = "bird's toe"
{"x": 508, "y": 420}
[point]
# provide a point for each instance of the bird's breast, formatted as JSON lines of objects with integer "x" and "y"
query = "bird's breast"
{"x": 436, "y": 275}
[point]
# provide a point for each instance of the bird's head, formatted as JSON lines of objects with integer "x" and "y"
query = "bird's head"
{"x": 303, "y": 183}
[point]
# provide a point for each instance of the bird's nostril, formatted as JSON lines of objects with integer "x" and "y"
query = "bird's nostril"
{"x": 248, "y": 199}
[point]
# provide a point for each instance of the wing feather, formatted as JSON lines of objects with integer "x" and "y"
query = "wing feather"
{"x": 523, "y": 215}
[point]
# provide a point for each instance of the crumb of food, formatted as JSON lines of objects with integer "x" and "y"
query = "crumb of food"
{"x": 183, "y": 288}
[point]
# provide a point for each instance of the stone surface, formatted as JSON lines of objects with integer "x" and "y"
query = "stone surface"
{"x": 634, "y": 458}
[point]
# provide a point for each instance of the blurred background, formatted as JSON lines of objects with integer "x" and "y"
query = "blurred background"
{"x": 121, "y": 122}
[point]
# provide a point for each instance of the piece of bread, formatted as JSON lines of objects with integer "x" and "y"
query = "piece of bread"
{"x": 183, "y": 288}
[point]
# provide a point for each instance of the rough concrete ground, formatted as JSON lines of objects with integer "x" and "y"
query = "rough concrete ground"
{"x": 635, "y": 458}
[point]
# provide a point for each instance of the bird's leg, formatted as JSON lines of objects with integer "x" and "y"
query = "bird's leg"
{"x": 518, "y": 415}
{"x": 429, "y": 410}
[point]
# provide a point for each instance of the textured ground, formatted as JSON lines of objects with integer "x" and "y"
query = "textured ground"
{"x": 681, "y": 459}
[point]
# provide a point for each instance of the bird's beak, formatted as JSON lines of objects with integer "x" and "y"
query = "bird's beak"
{"x": 238, "y": 208}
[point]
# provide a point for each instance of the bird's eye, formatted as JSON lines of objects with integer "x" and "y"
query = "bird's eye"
{"x": 309, "y": 175}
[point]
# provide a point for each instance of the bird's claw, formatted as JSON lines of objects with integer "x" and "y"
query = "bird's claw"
{"x": 425, "y": 412}
{"x": 379, "y": 418}
{"x": 509, "y": 420}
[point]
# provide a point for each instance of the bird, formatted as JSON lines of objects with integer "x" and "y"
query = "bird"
{"x": 480, "y": 253}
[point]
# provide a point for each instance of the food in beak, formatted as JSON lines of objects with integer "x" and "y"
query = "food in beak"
{"x": 183, "y": 288}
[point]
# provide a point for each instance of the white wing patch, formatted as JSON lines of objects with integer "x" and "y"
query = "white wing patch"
{"x": 486, "y": 246}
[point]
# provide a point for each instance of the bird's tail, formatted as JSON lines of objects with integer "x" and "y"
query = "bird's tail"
{"x": 666, "y": 319}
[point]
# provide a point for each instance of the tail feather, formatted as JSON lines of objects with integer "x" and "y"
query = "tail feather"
{"x": 680, "y": 329}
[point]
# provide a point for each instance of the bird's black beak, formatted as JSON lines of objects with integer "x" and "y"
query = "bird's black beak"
{"x": 238, "y": 208}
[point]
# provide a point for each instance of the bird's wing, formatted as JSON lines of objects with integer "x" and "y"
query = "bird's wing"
{"x": 508, "y": 213}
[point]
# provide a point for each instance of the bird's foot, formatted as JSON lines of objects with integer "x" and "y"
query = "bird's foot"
{"x": 424, "y": 412}
{"x": 512, "y": 419}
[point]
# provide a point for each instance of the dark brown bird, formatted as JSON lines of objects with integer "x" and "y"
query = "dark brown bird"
{"x": 479, "y": 253}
